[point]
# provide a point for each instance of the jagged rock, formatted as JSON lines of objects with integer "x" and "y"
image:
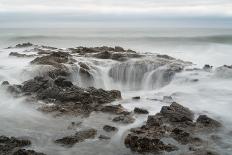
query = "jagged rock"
{"x": 145, "y": 143}
{"x": 126, "y": 119}
{"x": 177, "y": 113}
{"x": 207, "y": 67}
{"x": 78, "y": 137}
{"x": 109, "y": 128}
{"x": 14, "y": 146}
{"x": 62, "y": 82}
{"x": 26, "y": 152}
{"x": 204, "y": 121}
{"x": 71, "y": 99}
{"x": 140, "y": 111}
{"x": 55, "y": 59}
{"x": 103, "y": 137}
{"x": 115, "y": 109}
{"x": 5, "y": 83}
{"x": 23, "y": 45}
{"x": 201, "y": 152}
{"x": 16, "y": 54}
{"x": 174, "y": 121}
{"x": 164, "y": 56}
{"x": 136, "y": 98}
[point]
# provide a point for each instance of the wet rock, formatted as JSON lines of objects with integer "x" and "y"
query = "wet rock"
{"x": 71, "y": 99}
{"x": 172, "y": 122}
{"x": 136, "y": 98}
{"x": 207, "y": 67}
{"x": 5, "y": 83}
{"x": 145, "y": 143}
{"x": 103, "y": 137}
{"x": 16, "y": 54}
{"x": 115, "y": 109}
{"x": 203, "y": 121}
{"x": 62, "y": 82}
{"x": 140, "y": 111}
{"x": 118, "y": 49}
{"x": 26, "y": 152}
{"x": 23, "y": 45}
{"x": 177, "y": 113}
{"x": 109, "y": 128}
{"x": 14, "y": 146}
{"x": 78, "y": 137}
{"x": 126, "y": 119}
{"x": 55, "y": 59}
{"x": 201, "y": 152}
{"x": 164, "y": 56}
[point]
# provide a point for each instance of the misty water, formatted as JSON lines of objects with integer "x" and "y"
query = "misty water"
{"x": 211, "y": 95}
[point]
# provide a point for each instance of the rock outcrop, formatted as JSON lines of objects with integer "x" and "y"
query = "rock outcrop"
{"x": 15, "y": 146}
{"x": 174, "y": 122}
{"x": 77, "y": 138}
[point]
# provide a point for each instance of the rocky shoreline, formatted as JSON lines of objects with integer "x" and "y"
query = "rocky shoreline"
{"x": 62, "y": 97}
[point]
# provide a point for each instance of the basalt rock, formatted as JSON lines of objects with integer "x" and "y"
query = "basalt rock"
{"x": 14, "y": 146}
{"x": 24, "y": 45}
{"x": 16, "y": 54}
{"x": 109, "y": 128}
{"x": 69, "y": 98}
{"x": 173, "y": 122}
{"x": 140, "y": 111}
{"x": 125, "y": 119}
{"x": 77, "y": 138}
{"x": 55, "y": 59}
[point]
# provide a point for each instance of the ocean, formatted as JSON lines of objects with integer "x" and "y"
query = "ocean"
{"x": 210, "y": 93}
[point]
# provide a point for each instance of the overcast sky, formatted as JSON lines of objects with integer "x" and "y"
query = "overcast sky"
{"x": 27, "y": 11}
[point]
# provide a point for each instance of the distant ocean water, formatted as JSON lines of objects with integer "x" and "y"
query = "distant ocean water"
{"x": 198, "y": 45}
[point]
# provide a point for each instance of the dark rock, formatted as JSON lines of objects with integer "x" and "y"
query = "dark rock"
{"x": 71, "y": 99}
{"x": 109, "y": 128}
{"x": 103, "y": 137}
{"x": 78, "y": 137}
{"x": 204, "y": 121}
{"x": 62, "y": 82}
{"x": 115, "y": 109}
{"x": 174, "y": 122}
{"x": 126, "y": 119}
{"x": 118, "y": 49}
{"x": 207, "y": 67}
{"x": 55, "y": 59}
{"x": 26, "y": 152}
{"x": 16, "y": 54}
{"x": 140, "y": 111}
{"x": 177, "y": 113}
{"x": 5, "y": 83}
{"x": 23, "y": 45}
{"x": 136, "y": 98}
{"x": 145, "y": 143}
{"x": 165, "y": 56}
{"x": 14, "y": 146}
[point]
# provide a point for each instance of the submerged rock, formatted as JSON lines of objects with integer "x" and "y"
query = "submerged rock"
{"x": 109, "y": 128}
{"x": 125, "y": 119}
{"x": 78, "y": 137}
{"x": 136, "y": 98}
{"x": 103, "y": 137}
{"x": 23, "y": 45}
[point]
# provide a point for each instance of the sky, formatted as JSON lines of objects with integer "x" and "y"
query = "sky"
{"x": 158, "y": 12}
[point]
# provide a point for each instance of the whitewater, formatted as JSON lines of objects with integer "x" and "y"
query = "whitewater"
{"x": 204, "y": 92}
